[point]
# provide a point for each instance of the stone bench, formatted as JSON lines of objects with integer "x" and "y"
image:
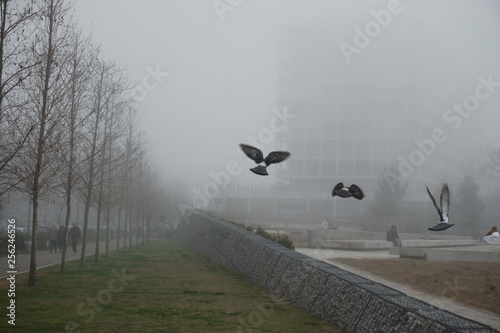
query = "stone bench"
{"x": 417, "y": 248}
{"x": 382, "y": 244}
{"x": 442, "y": 254}
{"x": 355, "y": 244}
{"x": 405, "y": 252}
{"x": 436, "y": 242}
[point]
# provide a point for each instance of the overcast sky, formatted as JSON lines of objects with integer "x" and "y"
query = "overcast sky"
{"x": 216, "y": 71}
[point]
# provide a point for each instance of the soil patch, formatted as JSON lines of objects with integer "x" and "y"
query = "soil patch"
{"x": 473, "y": 283}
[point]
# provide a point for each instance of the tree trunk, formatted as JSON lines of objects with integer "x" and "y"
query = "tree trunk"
{"x": 91, "y": 173}
{"x": 98, "y": 231}
{"x": 32, "y": 273}
{"x": 40, "y": 148}
{"x": 84, "y": 233}
{"x": 99, "y": 210}
{"x": 118, "y": 227}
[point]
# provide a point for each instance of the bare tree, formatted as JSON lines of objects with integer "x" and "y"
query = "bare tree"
{"x": 88, "y": 174}
{"x": 106, "y": 160}
{"x": 132, "y": 158}
{"x": 108, "y": 85}
{"x": 82, "y": 61}
{"x": 488, "y": 169}
{"x": 488, "y": 172}
{"x": 153, "y": 199}
{"x": 118, "y": 173}
{"x": 16, "y": 37}
{"x": 469, "y": 206}
{"x": 37, "y": 165}
{"x": 112, "y": 169}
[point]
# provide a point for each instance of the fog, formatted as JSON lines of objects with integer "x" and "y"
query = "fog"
{"x": 222, "y": 74}
{"x": 219, "y": 65}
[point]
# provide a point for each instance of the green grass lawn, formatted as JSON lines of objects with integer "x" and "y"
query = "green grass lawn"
{"x": 160, "y": 287}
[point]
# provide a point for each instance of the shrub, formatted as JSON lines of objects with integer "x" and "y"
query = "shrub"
{"x": 285, "y": 241}
{"x": 280, "y": 239}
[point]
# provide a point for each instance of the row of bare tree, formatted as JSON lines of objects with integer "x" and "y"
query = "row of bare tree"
{"x": 68, "y": 125}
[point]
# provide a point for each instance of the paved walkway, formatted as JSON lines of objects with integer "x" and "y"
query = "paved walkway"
{"x": 329, "y": 256}
{"x": 44, "y": 258}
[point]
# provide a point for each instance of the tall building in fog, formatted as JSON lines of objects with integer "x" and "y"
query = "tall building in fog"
{"x": 353, "y": 122}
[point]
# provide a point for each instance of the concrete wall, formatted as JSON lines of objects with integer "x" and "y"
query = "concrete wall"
{"x": 344, "y": 299}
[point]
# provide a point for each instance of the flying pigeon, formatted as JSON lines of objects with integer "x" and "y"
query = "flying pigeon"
{"x": 346, "y": 192}
{"x": 256, "y": 155}
{"x": 443, "y": 210}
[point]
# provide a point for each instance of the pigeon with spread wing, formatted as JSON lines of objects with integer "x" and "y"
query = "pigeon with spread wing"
{"x": 443, "y": 208}
{"x": 347, "y": 191}
{"x": 258, "y": 157}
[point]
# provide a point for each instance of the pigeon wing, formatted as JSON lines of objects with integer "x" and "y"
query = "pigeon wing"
{"x": 445, "y": 200}
{"x": 276, "y": 157}
{"x": 253, "y": 153}
{"x": 337, "y": 187}
{"x": 434, "y": 202}
{"x": 356, "y": 192}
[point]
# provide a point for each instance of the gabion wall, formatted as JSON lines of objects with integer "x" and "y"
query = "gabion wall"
{"x": 354, "y": 303}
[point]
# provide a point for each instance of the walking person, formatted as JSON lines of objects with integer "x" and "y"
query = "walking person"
{"x": 74, "y": 234}
{"x": 60, "y": 238}
{"x": 53, "y": 239}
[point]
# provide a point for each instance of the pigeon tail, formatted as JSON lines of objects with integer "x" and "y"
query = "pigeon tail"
{"x": 441, "y": 226}
{"x": 260, "y": 170}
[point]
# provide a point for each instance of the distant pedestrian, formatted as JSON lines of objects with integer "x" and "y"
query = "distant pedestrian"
{"x": 60, "y": 238}
{"x": 53, "y": 239}
{"x": 324, "y": 224}
{"x": 393, "y": 236}
{"x": 74, "y": 234}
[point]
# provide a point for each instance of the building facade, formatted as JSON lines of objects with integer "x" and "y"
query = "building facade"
{"x": 355, "y": 123}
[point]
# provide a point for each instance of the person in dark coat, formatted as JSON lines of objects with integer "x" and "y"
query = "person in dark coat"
{"x": 60, "y": 238}
{"x": 393, "y": 236}
{"x": 74, "y": 234}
